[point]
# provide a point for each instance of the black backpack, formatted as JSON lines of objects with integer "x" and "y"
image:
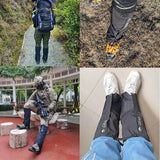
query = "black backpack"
{"x": 43, "y": 16}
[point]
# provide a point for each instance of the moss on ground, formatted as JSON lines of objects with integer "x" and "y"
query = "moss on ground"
{"x": 15, "y": 18}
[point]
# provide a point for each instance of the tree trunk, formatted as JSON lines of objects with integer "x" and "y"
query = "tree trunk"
{"x": 59, "y": 95}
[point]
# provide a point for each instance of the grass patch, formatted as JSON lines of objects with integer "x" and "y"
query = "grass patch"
{"x": 14, "y": 21}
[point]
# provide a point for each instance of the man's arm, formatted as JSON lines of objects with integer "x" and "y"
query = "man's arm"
{"x": 33, "y": 97}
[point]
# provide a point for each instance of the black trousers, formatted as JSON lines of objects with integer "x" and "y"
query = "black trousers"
{"x": 122, "y": 13}
{"x": 125, "y": 108}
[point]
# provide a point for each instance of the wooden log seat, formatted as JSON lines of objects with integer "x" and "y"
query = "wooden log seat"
{"x": 6, "y": 127}
{"x": 62, "y": 123}
{"x": 18, "y": 138}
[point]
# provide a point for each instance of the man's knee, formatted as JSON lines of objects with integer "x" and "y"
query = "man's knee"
{"x": 29, "y": 104}
{"x": 125, "y": 6}
{"x": 44, "y": 121}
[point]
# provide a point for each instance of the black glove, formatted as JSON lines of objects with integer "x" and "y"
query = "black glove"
{"x": 44, "y": 112}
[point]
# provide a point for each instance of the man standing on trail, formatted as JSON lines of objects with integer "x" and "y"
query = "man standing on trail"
{"x": 122, "y": 12}
{"x": 42, "y": 101}
{"x": 44, "y": 21}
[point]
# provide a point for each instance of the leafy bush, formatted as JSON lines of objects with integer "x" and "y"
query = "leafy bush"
{"x": 67, "y": 16}
{"x": 59, "y": 34}
{"x": 6, "y": 107}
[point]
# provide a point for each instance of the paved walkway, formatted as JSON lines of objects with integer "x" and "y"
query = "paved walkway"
{"x": 56, "y": 55}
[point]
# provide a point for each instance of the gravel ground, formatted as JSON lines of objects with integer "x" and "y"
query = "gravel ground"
{"x": 140, "y": 46}
{"x": 56, "y": 56}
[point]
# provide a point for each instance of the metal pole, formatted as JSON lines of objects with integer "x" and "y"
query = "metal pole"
{"x": 14, "y": 98}
{"x": 25, "y": 94}
{"x": 64, "y": 95}
{"x": 50, "y": 81}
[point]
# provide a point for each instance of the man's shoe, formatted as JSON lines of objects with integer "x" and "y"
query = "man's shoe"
{"x": 110, "y": 84}
{"x": 35, "y": 148}
{"x": 132, "y": 83}
{"x": 22, "y": 126}
{"x": 26, "y": 122}
{"x": 112, "y": 50}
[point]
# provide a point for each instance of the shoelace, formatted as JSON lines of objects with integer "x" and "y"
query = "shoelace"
{"x": 132, "y": 86}
{"x": 113, "y": 43}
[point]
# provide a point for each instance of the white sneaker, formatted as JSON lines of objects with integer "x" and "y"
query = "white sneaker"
{"x": 133, "y": 83}
{"x": 110, "y": 84}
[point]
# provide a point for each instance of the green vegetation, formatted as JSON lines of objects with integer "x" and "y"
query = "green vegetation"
{"x": 14, "y": 21}
{"x": 26, "y": 72}
{"x": 67, "y": 16}
{"x": 6, "y": 107}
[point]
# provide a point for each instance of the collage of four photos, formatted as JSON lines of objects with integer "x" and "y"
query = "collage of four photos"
{"x": 80, "y": 79}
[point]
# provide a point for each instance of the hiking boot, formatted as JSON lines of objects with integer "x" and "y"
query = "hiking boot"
{"x": 34, "y": 148}
{"x": 95, "y": 2}
{"x": 45, "y": 55}
{"x": 109, "y": 121}
{"x": 37, "y": 55}
{"x": 39, "y": 141}
{"x": 26, "y": 122}
{"x": 110, "y": 84}
{"x": 112, "y": 50}
{"x": 132, "y": 83}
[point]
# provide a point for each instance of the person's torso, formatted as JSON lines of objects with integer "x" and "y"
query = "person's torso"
{"x": 44, "y": 96}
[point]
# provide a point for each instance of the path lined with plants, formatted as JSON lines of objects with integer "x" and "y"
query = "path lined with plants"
{"x": 56, "y": 56}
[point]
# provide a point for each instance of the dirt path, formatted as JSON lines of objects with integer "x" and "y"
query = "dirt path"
{"x": 140, "y": 46}
{"x": 56, "y": 56}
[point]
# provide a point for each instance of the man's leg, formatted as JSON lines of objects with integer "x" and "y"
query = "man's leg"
{"x": 122, "y": 13}
{"x": 137, "y": 148}
{"x": 136, "y": 140}
{"x": 37, "y": 146}
{"x": 105, "y": 144}
{"x": 28, "y": 107}
{"x": 38, "y": 37}
{"x": 104, "y": 148}
{"x": 46, "y": 37}
{"x": 131, "y": 117}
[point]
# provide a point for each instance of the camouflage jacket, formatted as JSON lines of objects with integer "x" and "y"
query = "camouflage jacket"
{"x": 47, "y": 95}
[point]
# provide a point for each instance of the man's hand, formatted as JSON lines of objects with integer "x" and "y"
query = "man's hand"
{"x": 44, "y": 112}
